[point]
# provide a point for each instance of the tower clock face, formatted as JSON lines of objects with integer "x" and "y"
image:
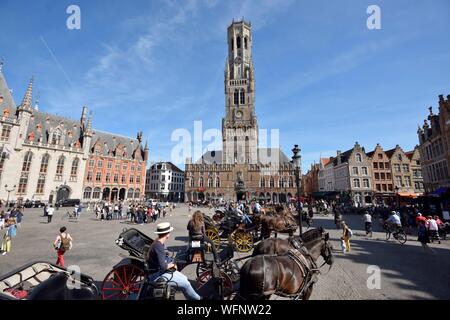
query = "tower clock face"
{"x": 239, "y": 114}
{"x": 238, "y": 60}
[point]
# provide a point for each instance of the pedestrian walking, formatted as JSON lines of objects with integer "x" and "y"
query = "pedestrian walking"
{"x": 19, "y": 218}
{"x": 50, "y": 213}
{"x": 367, "y": 218}
{"x": 433, "y": 229}
{"x": 11, "y": 232}
{"x": 62, "y": 244}
{"x": 423, "y": 237}
{"x": 347, "y": 233}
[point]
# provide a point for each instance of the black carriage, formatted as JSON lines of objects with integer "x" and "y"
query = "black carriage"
{"x": 46, "y": 281}
{"x": 129, "y": 278}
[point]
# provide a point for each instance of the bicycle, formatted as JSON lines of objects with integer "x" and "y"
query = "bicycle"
{"x": 69, "y": 215}
{"x": 399, "y": 235}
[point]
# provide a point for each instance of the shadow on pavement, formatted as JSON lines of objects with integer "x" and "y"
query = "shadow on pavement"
{"x": 413, "y": 268}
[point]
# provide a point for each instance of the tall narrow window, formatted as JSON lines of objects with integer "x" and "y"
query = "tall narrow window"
{"x": 44, "y": 163}
{"x": 40, "y": 184}
{"x": 60, "y": 166}
{"x": 6, "y": 132}
{"x": 217, "y": 182}
{"x": 74, "y": 169}
{"x": 23, "y": 182}
{"x": 238, "y": 42}
{"x": 242, "y": 96}
{"x": 236, "y": 97}
{"x": 27, "y": 161}
{"x": 201, "y": 182}
{"x": 56, "y": 137}
{"x": 245, "y": 43}
{"x": 2, "y": 163}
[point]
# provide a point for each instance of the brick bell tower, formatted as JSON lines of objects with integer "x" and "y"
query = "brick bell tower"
{"x": 239, "y": 126}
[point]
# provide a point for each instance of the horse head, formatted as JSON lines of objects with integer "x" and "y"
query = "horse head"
{"x": 327, "y": 250}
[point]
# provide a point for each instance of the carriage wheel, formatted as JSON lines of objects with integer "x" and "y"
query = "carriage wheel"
{"x": 242, "y": 240}
{"x": 201, "y": 268}
{"x": 213, "y": 235}
{"x": 227, "y": 283}
{"x": 122, "y": 282}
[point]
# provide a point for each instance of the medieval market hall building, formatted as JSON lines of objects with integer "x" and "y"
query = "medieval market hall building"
{"x": 241, "y": 170}
{"x": 50, "y": 158}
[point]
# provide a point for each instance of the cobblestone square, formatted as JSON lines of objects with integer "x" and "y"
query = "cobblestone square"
{"x": 406, "y": 271}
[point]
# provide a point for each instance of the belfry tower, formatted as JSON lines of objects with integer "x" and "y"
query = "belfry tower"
{"x": 239, "y": 126}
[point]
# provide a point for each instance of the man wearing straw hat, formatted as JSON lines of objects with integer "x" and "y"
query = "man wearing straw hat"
{"x": 158, "y": 262}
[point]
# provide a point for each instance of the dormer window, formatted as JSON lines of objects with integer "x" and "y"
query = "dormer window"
{"x": 56, "y": 137}
{"x": 358, "y": 157}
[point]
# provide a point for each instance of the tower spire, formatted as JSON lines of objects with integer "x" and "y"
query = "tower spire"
{"x": 88, "y": 131}
{"x": 28, "y": 98}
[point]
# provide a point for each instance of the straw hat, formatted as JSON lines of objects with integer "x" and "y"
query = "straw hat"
{"x": 164, "y": 228}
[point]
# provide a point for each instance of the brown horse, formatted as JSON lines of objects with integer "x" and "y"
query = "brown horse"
{"x": 282, "y": 246}
{"x": 292, "y": 274}
{"x": 276, "y": 219}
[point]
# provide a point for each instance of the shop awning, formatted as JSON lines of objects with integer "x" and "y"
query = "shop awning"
{"x": 408, "y": 194}
{"x": 439, "y": 191}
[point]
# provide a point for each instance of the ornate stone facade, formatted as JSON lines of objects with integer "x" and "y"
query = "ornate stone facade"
{"x": 241, "y": 170}
{"x": 45, "y": 157}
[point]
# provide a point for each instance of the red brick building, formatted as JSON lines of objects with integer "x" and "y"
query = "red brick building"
{"x": 116, "y": 168}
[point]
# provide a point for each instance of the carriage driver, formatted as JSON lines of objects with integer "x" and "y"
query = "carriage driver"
{"x": 157, "y": 260}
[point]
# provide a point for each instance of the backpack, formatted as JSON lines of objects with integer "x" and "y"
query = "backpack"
{"x": 349, "y": 233}
{"x": 65, "y": 243}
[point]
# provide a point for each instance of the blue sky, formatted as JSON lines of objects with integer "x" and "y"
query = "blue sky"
{"x": 322, "y": 78}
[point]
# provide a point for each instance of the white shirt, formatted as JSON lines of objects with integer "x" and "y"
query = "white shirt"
{"x": 432, "y": 225}
{"x": 367, "y": 218}
{"x": 50, "y": 211}
{"x": 394, "y": 219}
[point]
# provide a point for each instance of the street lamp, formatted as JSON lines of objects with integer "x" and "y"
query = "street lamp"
{"x": 398, "y": 197}
{"x": 296, "y": 162}
{"x": 9, "y": 191}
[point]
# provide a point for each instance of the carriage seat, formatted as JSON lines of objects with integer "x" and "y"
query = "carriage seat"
{"x": 56, "y": 288}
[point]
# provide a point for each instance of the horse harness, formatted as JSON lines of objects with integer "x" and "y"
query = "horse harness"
{"x": 307, "y": 265}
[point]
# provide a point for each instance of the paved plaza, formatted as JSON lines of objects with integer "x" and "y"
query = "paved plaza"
{"x": 407, "y": 272}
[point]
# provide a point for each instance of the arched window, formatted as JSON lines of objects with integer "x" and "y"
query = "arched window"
{"x": 262, "y": 182}
{"x": 96, "y": 193}
{"x": 137, "y": 193}
{"x": 60, "y": 165}
{"x": 236, "y": 97}
{"x": 74, "y": 169}
{"x": 272, "y": 182}
{"x": 282, "y": 182}
{"x": 242, "y": 96}
{"x": 27, "y": 161}
{"x": 201, "y": 182}
{"x": 358, "y": 157}
{"x": 238, "y": 42}
{"x": 217, "y": 182}
{"x": 192, "y": 182}
{"x": 210, "y": 182}
{"x": 44, "y": 163}
{"x": 130, "y": 193}
{"x": 87, "y": 193}
{"x": 245, "y": 43}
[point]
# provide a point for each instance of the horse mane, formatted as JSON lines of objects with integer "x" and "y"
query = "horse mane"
{"x": 312, "y": 234}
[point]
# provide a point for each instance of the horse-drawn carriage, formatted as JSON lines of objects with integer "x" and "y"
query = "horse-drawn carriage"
{"x": 129, "y": 278}
{"x": 228, "y": 226}
{"x": 46, "y": 281}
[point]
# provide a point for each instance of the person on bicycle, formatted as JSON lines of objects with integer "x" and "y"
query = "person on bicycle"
{"x": 393, "y": 222}
{"x": 161, "y": 267}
